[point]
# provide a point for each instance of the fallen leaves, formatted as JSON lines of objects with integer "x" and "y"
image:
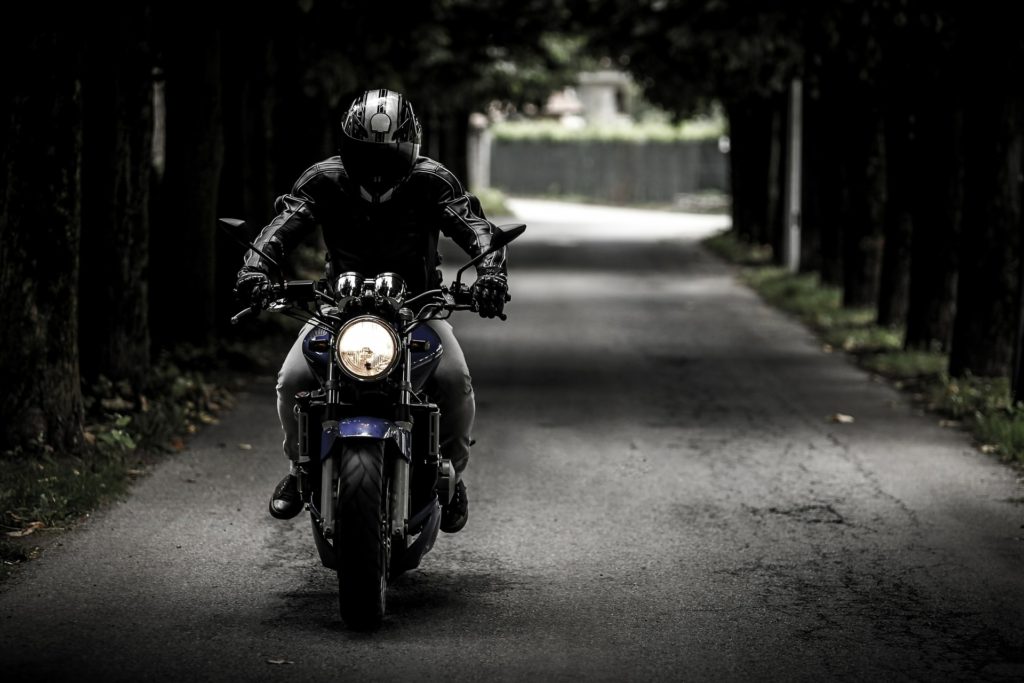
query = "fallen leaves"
{"x": 30, "y": 529}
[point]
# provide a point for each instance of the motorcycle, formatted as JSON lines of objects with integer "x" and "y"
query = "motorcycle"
{"x": 370, "y": 467}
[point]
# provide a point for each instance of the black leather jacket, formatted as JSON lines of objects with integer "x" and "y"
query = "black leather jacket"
{"x": 398, "y": 236}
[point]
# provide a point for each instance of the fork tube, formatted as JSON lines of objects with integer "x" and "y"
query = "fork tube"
{"x": 406, "y": 396}
{"x": 399, "y": 497}
{"x": 327, "y": 490}
{"x": 327, "y": 497}
{"x": 333, "y": 395}
{"x": 400, "y": 472}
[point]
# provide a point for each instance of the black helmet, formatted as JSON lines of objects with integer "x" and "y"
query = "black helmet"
{"x": 380, "y": 140}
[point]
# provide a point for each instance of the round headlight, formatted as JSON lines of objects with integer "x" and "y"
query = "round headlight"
{"x": 366, "y": 348}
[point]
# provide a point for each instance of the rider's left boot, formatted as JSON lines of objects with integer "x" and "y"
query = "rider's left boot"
{"x": 286, "y": 501}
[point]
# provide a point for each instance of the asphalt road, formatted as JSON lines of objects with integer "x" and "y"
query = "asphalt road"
{"x": 656, "y": 494}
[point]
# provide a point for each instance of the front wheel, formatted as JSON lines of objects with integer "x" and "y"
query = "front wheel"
{"x": 362, "y": 543}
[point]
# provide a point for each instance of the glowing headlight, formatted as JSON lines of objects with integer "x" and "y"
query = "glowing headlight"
{"x": 366, "y": 348}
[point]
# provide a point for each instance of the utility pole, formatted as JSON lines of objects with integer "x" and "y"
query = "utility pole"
{"x": 791, "y": 235}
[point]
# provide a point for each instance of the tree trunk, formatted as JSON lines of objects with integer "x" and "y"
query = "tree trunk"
{"x": 245, "y": 179}
{"x": 1017, "y": 380}
{"x": 117, "y": 157}
{"x": 740, "y": 225}
{"x": 775, "y": 220}
{"x": 750, "y": 135}
{"x": 456, "y": 144}
{"x": 40, "y": 214}
{"x": 895, "y": 277}
{"x": 814, "y": 166}
{"x": 985, "y": 331}
{"x": 825, "y": 205}
{"x": 936, "y": 196}
{"x": 183, "y": 246}
{"x": 862, "y": 164}
{"x": 445, "y": 136}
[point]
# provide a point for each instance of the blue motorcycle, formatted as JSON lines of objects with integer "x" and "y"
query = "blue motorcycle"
{"x": 370, "y": 467}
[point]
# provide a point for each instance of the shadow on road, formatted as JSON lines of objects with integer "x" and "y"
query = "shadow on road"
{"x": 417, "y": 601}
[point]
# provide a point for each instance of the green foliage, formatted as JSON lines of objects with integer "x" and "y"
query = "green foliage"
{"x": 641, "y": 133}
{"x": 733, "y": 250}
{"x": 450, "y": 54}
{"x": 56, "y": 490}
{"x": 43, "y": 490}
{"x": 906, "y": 365}
{"x": 971, "y": 397}
{"x": 493, "y": 202}
{"x": 685, "y": 53}
{"x": 820, "y": 307}
{"x": 865, "y": 339}
{"x": 800, "y": 294}
{"x": 982, "y": 404}
{"x": 12, "y": 554}
{"x": 1003, "y": 430}
{"x": 174, "y": 401}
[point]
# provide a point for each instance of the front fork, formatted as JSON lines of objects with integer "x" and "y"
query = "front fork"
{"x": 400, "y": 469}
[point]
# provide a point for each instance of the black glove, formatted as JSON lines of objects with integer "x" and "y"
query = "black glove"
{"x": 250, "y": 287}
{"x": 490, "y": 292}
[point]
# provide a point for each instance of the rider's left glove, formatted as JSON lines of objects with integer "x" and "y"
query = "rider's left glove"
{"x": 490, "y": 292}
{"x": 251, "y": 288}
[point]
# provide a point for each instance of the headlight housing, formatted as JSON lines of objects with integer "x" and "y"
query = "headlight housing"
{"x": 366, "y": 348}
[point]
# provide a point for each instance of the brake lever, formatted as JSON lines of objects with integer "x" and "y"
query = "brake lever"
{"x": 243, "y": 314}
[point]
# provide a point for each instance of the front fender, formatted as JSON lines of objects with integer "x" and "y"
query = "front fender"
{"x": 394, "y": 436}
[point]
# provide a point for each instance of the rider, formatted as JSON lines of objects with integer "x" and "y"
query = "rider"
{"x": 380, "y": 206}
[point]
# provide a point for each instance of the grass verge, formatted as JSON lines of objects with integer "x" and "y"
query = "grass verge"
{"x": 980, "y": 405}
{"x": 127, "y": 430}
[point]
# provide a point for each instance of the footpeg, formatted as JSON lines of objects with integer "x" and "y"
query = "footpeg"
{"x": 446, "y": 481}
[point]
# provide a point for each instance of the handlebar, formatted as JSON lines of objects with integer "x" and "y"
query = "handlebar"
{"x": 459, "y": 297}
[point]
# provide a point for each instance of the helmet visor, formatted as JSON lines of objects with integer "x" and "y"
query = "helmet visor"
{"x": 378, "y": 166}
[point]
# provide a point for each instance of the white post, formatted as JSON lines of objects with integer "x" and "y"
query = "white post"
{"x": 791, "y": 239}
{"x": 479, "y": 153}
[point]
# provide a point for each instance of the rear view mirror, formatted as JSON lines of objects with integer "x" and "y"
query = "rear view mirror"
{"x": 499, "y": 238}
{"x": 503, "y": 236}
{"x": 237, "y": 230}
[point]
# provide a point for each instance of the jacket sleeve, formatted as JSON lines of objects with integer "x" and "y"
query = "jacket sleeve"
{"x": 464, "y": 222}
{"x": 295, "y": 220}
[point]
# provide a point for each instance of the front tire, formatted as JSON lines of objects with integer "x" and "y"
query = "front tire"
{"x": 362, "y": 543}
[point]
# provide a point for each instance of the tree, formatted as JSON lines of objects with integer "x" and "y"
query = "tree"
{"x": 449, "y": 57}
{"x": 898, "y": 43}
{"x": 183, "y": 241}
{"x": 988, "y": 298}
{"x": 117, "y": 157}
{"x": 686, "y": 53}
{"x": 934, "y": 177}
{"x": 245, "y": 185}
{"x": 40, "y": 213}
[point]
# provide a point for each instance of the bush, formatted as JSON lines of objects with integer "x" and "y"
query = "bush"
{"x": 639, "y": 133}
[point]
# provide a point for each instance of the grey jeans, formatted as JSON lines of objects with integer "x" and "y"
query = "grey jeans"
{"x": 451, "y": 389}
